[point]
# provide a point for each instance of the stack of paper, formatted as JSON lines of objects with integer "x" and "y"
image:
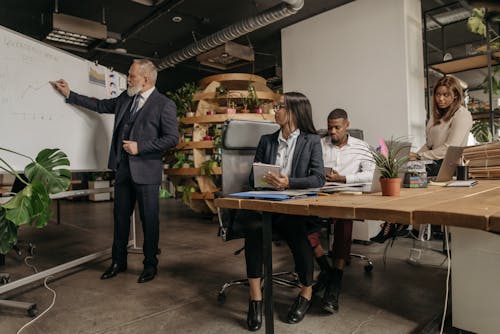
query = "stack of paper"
{"x": 484, "y": 160}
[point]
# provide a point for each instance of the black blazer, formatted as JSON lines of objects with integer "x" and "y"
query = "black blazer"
{"x": 307, "y": 164}
{"x": 155, "y": 130}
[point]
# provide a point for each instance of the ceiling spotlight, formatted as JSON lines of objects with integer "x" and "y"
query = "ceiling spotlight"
{"x": 121, "y": 50}
{"x": 177, "y": 19}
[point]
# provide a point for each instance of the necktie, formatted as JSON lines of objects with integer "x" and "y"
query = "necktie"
{"x": 135, "y": 104}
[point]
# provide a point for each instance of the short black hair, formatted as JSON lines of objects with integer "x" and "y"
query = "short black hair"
{"x": 338, "y": 113}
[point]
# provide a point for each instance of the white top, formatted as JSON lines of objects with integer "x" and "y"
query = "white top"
{"x": 143, "y": 97}
{"x": 286, "y": 148}
{"x": 353, "y": 160}
{"x": 452, "y": 133}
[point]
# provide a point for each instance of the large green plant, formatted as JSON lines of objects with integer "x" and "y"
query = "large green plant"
{"x": 45, "y": 176}
{"x": 183, "y": 98}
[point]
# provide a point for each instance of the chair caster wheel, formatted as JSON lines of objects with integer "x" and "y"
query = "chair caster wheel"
{"x": 368, "y": 268}
{"x": 33, "y": 311}
{"x": 221, "y": 298}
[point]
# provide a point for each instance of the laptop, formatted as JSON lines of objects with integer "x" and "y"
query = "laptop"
{"x": 450, "y": 162}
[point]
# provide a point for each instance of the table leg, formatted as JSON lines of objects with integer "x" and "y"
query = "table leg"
{"x": 58, "y": 211}
{"x": 267, "y": 232}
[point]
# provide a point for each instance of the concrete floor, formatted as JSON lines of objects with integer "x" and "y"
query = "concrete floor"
{"x": 398, "y": 298}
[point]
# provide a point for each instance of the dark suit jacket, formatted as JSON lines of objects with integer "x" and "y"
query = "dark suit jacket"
{"x": 155, "y": 130}
{"x": 307, "y": 164}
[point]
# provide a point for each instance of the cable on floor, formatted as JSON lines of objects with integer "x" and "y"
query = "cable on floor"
{"x": 48, "y": 308}
{"x": 54, "y": 295}
{"x": 447, "y": 279}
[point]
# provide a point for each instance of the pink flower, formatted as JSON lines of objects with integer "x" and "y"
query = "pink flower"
{"x": 383, "y": 148}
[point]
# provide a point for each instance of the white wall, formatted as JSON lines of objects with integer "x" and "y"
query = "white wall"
{"x": 365, "y": 57}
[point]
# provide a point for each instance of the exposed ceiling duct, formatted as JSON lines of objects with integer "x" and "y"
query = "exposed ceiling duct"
{"x": 289, "y": 7}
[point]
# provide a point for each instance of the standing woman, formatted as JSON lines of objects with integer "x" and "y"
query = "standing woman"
{"x": 296, "y": 148}
{"x": 449, "y": 124}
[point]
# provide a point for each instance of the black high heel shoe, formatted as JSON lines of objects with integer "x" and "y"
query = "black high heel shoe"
{"x": 388, "y": 231}
{"x": 254, "y": 315}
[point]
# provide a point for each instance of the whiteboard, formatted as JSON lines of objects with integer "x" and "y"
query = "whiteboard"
{"x": 33, "y": 116}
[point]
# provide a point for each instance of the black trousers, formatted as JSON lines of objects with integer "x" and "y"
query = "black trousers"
{"x": 294, "y": 230}
{"x": 147, "y": 196}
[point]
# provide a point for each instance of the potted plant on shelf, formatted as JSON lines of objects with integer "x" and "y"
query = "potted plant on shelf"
{"x": 388, "y": 159}
{"x": 43, "y": 176}
{"x": 253, "y": 100}
{"x": 183, "y": 99}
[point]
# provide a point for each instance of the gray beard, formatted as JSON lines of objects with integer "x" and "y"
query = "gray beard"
{"x": 131, "y": 91}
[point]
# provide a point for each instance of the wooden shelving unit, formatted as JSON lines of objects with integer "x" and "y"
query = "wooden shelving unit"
{"x": 208, "y": 114}
{"x": 466, "y": 64}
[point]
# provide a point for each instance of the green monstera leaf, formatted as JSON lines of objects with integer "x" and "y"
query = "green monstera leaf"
{"x": 8, "y": 233}
{"x": 45, "y": 176}
{"x": 42, "y": 169}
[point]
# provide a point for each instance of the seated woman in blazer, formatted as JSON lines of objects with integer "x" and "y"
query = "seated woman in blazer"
{"x": 296, "y": 148}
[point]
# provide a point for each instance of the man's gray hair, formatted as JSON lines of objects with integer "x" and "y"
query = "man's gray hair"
{"x": 148, "y": 69}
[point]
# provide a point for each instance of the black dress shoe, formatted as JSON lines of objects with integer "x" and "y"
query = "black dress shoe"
{"x": 330, "y": 301}
{"x": 254, "y": 315}
{"x": 147, "y": 275}
{"x": 113, "y": 270}
{"x": 298, "y": 310}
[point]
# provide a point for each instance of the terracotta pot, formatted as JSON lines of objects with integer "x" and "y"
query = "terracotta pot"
{"x": 258, "y": 111}
{"x": 390, "y": 187}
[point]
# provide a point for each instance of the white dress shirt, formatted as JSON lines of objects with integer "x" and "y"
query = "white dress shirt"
{"x": 286, "y": 148}
{"x": 353, "y": 160}
{"x": 143, "y": 97}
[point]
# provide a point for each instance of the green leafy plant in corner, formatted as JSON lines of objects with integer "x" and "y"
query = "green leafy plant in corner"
{"x": 476, "y": 24}
{"x": 183, "y": 98}
{"x": 481, "y": 130}
{"x": 45, "y": 176}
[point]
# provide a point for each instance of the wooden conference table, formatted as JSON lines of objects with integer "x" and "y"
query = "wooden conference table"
{"x": 465, "y": 208}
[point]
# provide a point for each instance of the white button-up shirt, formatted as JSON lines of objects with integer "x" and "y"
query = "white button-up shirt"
{"x": 143, "y": 97}
{"x": 353, "y": 160}
{"x": 286, "y": 148}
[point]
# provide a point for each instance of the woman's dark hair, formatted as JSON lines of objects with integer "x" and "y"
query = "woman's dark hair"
{"x": 454, "y": 86}
{"x": 298, "y": 105}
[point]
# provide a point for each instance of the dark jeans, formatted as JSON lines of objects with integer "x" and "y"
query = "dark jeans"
{"x": 147, "y": 196}
{"x": 293, "y": 230}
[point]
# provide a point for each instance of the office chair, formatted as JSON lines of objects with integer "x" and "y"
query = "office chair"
{"x": 239, "y": 142}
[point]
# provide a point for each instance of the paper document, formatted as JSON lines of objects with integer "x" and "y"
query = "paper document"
{"x": 330, "y": 187}
{"x": 276, "y": 195}
{"x": 259, "y": 170}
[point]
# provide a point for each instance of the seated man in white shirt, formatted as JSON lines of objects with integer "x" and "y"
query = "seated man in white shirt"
{"x": 350, "y": 161}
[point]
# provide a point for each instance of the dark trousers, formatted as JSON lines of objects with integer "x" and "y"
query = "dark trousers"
{"x": 147, "y": 196}
{"x": 342, "y": 234}
{"x": 293, "y": 230}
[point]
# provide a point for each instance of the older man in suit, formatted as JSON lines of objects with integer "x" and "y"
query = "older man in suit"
{"x": 145, "y": 126}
